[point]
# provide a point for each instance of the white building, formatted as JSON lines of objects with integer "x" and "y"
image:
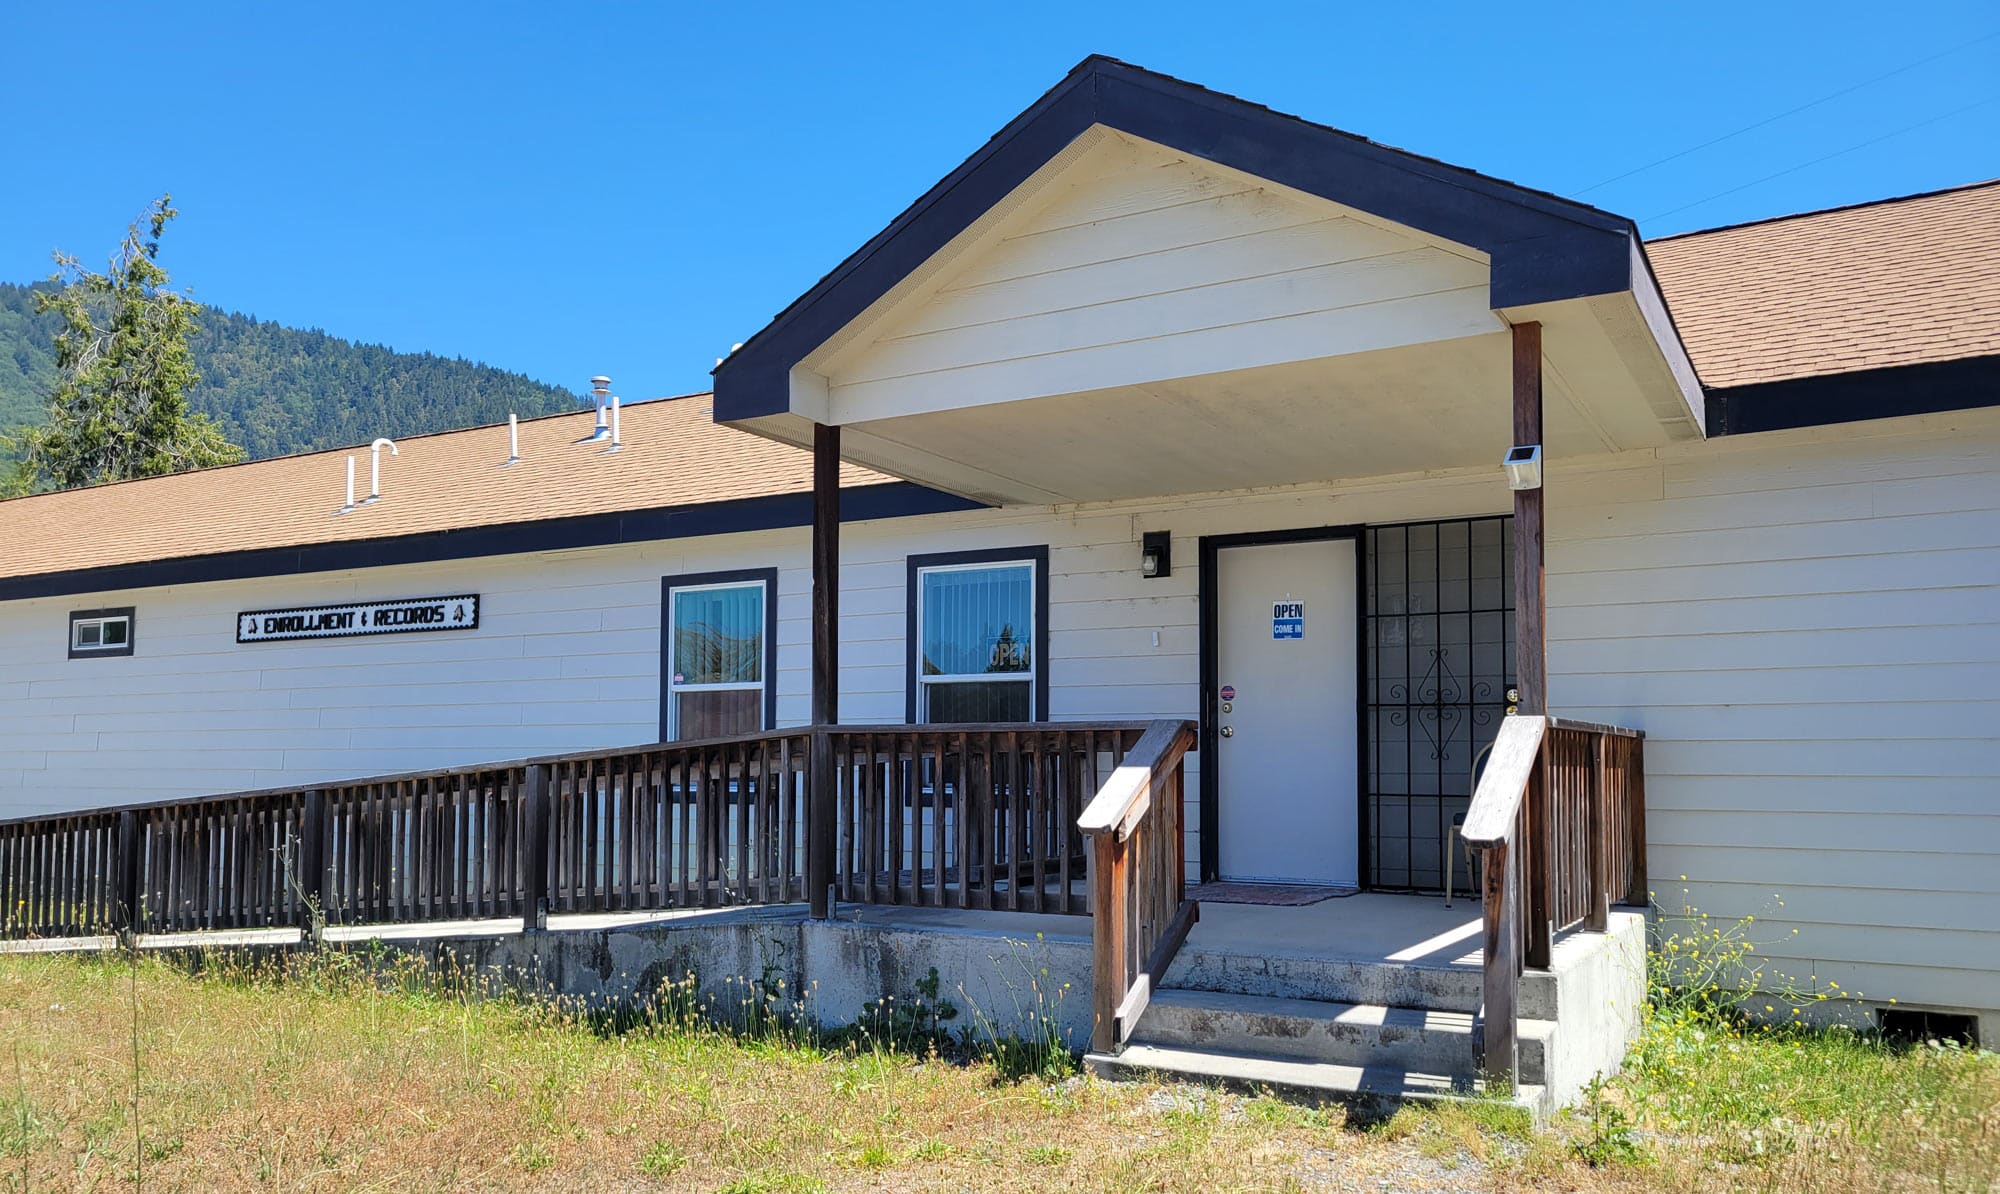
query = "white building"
{"x": 1166, "y": 406}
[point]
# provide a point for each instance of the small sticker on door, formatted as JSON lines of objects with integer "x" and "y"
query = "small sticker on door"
{"x": 1228, "y": 692}
{"x": 1288, "y": 619}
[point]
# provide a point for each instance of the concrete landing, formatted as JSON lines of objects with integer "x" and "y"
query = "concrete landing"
{"x": 1409, "y": 930}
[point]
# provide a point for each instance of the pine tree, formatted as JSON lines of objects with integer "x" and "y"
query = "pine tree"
{"x": 119, "y": 408}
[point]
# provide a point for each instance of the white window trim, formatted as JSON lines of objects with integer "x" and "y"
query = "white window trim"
{"x": 100, "y": 620}
{"x": 1027, "y": 677}
{"x": 674, "y": 687}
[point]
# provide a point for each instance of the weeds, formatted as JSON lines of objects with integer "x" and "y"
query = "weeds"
{"x": 662, "y": 1160}
{"x": 1607, "y": 1138}
{"x": 1730, "y": 1070}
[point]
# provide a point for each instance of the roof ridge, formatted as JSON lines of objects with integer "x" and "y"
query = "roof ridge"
{"x": 333, "y": 451}
{"x": 1827, "y": 211}
{"x": 1362, "y": 138}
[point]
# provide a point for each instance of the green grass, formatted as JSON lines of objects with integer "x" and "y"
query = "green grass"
{"x": 1831, "y": 1108}
{"x": 361, "y": 1070}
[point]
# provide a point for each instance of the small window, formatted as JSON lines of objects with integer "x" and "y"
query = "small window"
{"x": 718, "y": 664}
{"x": 94, "y": 632}
{"x": 977, "y": 640}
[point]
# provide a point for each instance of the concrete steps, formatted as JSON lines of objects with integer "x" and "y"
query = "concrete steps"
{"x": 1374, "y": 1089}
{"x": 1369, "y": 1036}
{"x": 1339, "y": 980}
{"x": 1362, "y": 1031}
{"x": 1375, "y": 1029}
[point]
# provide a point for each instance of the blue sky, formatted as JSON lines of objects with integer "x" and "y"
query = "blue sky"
{"x": 569, "y": 188}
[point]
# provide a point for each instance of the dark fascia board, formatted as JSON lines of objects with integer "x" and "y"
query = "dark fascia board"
{"x": 893, "y": 500}
{"x": 1543, "y": 248}
{"x": 1932, "y": 388}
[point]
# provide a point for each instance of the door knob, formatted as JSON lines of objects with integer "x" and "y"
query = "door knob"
{"x": 1229, "y": 731}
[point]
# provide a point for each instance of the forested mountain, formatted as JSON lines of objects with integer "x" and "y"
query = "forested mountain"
{"x": 277, "y": 389}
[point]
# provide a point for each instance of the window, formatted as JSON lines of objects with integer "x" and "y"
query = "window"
{"x": 717, "y": 654}
{"x": 977, "y": 653}
{"x": 94, "y": 632}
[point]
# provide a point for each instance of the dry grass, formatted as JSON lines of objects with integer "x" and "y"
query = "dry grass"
{"x": 320, "y": 1080}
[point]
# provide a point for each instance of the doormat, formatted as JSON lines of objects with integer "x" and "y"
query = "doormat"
{"x": 1271, "y": 895}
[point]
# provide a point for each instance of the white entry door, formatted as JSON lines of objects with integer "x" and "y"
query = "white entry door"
{"x": 1286, "y": 685}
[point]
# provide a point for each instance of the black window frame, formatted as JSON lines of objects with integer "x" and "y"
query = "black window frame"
{"x": 90, "y": 615}
{"x": 768, "y": 577}
{"x": 1037, "y": 555}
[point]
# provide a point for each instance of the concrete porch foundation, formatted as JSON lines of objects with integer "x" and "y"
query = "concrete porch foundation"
{"x": 1390, "y": 981}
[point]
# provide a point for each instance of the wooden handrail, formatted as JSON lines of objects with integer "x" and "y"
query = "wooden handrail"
{"x": 1139, "y": 908}
{"x": 1496, "y": 803}
{"x": 1594, "y": 727}
{"x": 1125, "y": 797}
{"x": 1559, "y": 817}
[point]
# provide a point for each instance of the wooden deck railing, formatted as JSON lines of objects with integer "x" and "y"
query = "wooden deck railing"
{"x": 685, "y": 824}
{"x": 1559, "y": 818}
{"x": 437, "y": 846}
{"x": 1140, "y": 912}
{"x": 977, "y": 817}
{"x": 679, "y": 825}
{"x": 968, "y": 816}
{"x": 59, "y": 875}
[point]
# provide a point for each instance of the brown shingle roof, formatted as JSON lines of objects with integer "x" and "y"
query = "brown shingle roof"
{"x": 1898, "y": 282}
{"x": 674, "y": 454}
{"x": 1903, "y": 281}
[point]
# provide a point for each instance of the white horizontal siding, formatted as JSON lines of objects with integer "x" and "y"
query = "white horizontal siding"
{"x": 1152, "y": 268}
{"x": 1807, "y": 626}
{"x": 566, "y": 657}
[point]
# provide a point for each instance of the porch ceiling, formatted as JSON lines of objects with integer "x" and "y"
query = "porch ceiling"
{"x": 1396, "y": 410}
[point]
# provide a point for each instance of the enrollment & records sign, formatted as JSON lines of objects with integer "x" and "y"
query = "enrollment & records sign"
{"x": 362, "y": 617}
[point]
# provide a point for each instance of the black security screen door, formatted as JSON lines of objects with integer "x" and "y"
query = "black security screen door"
{"x": 1440, "y": 634}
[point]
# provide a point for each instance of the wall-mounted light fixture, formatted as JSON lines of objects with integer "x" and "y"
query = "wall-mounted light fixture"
{"x": 1524, "y": 467}
{"x": 1156, "y": 554}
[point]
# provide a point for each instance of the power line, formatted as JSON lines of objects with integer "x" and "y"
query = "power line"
{"x": 1748, "y": 128}
{"x": 1908, "y": 128}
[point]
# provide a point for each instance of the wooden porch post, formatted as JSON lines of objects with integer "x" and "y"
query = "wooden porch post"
{"x": 820, "y": 826}
{"x": 1531, "y": 647}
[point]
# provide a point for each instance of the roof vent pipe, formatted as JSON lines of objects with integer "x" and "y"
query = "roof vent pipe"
{"x": 615, "y": 439}
{"x": 600, "y": 392}
{"x": 350, "y": 486}
{"x": 375, "y": 466}
{"x": 513, "y": 439}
